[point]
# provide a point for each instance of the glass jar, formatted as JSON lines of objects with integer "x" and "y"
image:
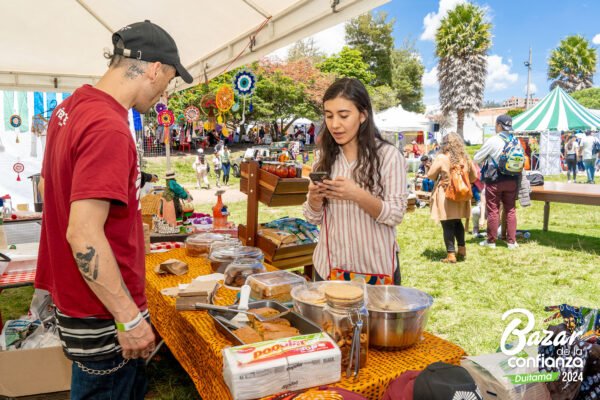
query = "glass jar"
{"x": 240, "y": 269}
{"x": 343, "y": 315}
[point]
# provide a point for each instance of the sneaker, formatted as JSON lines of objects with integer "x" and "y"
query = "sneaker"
{"x": 485, "y": 243}
{"x": 513, "y": 246}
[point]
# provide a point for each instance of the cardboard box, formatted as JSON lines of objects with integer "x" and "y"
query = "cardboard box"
{"x": 35, "y": 371}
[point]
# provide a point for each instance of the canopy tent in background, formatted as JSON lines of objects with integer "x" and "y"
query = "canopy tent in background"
{"x": 556, "y": 112}
{"x": 211, "y": 35}
{"x": 401, "y": 127}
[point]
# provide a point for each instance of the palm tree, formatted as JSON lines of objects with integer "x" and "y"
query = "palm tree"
{"x": 462, "y": 42}
{"x": 572, "y": 64}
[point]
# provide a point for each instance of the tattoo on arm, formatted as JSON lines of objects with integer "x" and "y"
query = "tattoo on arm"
{"x": 88, "y": 264}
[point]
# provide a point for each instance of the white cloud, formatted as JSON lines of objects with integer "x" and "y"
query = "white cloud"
{"x": 596, "y": 39}
{"x": 430, "y": 78}
{"x": 329, "y": 41}
{"x": 499, "y": 76}
{"x": 432, "y": 21}
{"x": 532, "y": 88}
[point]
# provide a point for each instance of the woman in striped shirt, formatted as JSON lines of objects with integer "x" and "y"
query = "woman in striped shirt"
{"x": 363, "y": 198}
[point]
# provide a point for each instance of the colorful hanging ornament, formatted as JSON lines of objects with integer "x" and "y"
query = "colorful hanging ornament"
{"x": 235, "y": 107}
{"x": 160, "y": 107}
{"x": 250, "y": 107}
{"x": 225, "y": 98}
{"x": 181, "y": 119}
{"x": 208, "y": 106}
{"x": 192, "y": 113}
{"x": 244, "y": 83}
{"x": 225, "y": 131}
{"x": 15, "y": 121}
{"x": 166, "y": 118}
{"x": 18, "y": 167}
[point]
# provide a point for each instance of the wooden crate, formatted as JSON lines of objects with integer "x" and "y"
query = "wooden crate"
{"x": 279, "y": 256}
{"x": 274, "y": 191}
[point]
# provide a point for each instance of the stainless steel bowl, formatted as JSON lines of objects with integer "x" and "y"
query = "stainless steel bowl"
{"x": 400, "y": 325}
{"x": 313, "y": 312}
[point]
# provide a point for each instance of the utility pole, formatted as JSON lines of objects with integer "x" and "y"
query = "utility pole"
{"x": 528, "y": 65}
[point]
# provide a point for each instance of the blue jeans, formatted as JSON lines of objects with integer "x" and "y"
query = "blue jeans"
{"x": 590, "y": 169}
{"x": 128, "y": 382}
{"x": 427, "y": 185}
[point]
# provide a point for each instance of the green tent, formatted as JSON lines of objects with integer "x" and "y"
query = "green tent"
{"x": 556, "y": 112}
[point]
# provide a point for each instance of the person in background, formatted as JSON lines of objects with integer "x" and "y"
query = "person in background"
{"x": 426, "y": 183}
{"x": 311, "y": 134}
{"x": 364, "y": 196}
{"x": 91, "y": 252}
{"x": 450, "y": 213}
{"x": 586, "y": 152}
{"x": 415, "y": 149}
{"x": 202, "y": 170}
{"x": 571, "y": 152}
{"x": 146, "y": 177}
{"x": 217, "y": 165}
{"x": 224, "y": 155}
{"x": 477, "y": 211}
{"x": 500, "y": 189}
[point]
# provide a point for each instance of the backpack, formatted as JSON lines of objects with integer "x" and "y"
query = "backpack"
{"x": 512, "y": 158}
{"x": 459, "y": 188}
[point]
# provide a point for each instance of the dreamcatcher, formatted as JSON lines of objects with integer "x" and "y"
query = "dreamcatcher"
{"x": 15, "y": 122}
{"x": 166, "y": 119}
{"x": 192, "y": 113}
{"x": 160, "y": 107}
{"x": 225, "y": 99}
{"x": 18, "y": 167}
{"x": 244, "y": 84}
{"x": 208, "y": 106}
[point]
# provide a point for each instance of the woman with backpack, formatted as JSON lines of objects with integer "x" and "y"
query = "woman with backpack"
{"x": 571, "y": 151}
{"x": 451, "y": 199}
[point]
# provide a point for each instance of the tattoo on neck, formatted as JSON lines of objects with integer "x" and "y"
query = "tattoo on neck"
{"x": 134, "y": 71}
{"x": 88, "y": 264}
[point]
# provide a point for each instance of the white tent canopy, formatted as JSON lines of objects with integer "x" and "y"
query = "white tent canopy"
{"x": 58, "y": 44}
{"x": 397, "y": 119}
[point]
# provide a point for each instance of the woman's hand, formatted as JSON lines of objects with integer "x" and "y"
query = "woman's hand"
{"x": 342, "y": 188}
{"x": 316, "y": 195}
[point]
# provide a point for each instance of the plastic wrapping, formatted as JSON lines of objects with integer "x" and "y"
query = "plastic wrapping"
{"x": 274, "y": 285}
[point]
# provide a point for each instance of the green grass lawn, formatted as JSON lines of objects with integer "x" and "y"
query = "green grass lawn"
{"x": 559, "y": 266}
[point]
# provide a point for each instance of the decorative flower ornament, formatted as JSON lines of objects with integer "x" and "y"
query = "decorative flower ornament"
{"x": 166, "y": 118}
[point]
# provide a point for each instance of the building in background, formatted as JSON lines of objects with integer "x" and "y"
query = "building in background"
{"x": 519, "y": 102}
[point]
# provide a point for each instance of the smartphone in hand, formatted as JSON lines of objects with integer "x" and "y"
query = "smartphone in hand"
{"x": 318, "y": 176}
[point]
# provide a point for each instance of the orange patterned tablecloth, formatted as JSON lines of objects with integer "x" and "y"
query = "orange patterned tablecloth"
{"x": 194, "y": 341}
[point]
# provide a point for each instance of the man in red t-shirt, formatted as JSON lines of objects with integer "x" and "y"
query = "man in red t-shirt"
{"x": 91, "y": 256}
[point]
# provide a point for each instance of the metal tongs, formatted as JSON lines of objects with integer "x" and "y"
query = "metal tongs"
{"x": 355, "y": 349}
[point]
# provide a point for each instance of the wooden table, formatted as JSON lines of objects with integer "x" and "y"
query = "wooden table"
{"x": 573, "y": 193}
{"x": 194, "y": 341}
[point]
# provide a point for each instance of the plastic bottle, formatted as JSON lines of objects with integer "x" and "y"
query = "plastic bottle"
{"x": 220, "y": 212}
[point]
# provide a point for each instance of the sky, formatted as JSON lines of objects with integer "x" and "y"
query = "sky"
{"x": 516, "y": 26}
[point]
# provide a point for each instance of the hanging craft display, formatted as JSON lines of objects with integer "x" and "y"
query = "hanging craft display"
{"x": 160, "y": 107}
{"x": 15, "y": 121}
{"x": 166, "y": 118}
{"x": 181, "y": 119}
{"x": 18, "y": 168}
{"x": 225, "y": 98}
{"x": 235, "y": 107}
{"x": 208, "y": 106}
{"x": 192, "y": 113}
{"x": 244, "y": 83}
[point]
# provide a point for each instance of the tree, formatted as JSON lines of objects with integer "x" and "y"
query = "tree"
{"x": 572, "y": 64}
{"x": 589, "y": 98}
{"x": 382, "y": 97}
{"x": 491, "y": 104}
{"x": 305, "y": 49}
{"x": 347, "y": 63}
{"x": 372, "y": 35}
{"x": 407, "y": 74}
{"x": 462, "y": 42}
{"x": 513, "y": 112}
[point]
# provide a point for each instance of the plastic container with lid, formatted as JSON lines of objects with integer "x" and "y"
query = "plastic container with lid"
{"x": 199, "y": 245}
{"x": 228, "y": 242}
{"x": 346, "y": 320}
{"x": 240, "y": 269}
{"x": 221, "y": 257}
{"x": 275, "y": 285}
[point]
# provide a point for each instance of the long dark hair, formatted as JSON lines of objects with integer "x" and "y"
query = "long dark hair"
{"x": 366, "y": 171}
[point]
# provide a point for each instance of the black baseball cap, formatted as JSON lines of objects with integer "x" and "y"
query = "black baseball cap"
{"x": 441, "y": 381}
{"x": 149, "y": 42}
{"x": 506, "y": 121}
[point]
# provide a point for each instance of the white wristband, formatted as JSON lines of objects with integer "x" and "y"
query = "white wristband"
{"x": 127, "y": 326}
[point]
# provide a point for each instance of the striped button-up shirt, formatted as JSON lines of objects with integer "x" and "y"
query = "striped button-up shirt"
{"x": 357, "y": 241}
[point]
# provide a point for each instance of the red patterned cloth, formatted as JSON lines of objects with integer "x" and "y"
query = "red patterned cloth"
{"x": 166, "y": 246}
{"x": 17, "y": 277}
